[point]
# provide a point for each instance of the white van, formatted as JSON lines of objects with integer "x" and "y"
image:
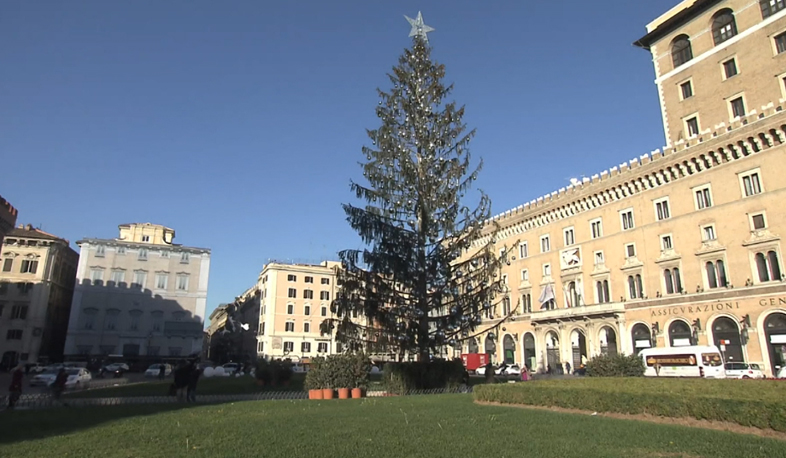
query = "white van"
{"x": 689, "y": 361}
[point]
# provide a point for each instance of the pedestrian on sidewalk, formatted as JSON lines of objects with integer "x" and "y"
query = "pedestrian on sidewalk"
{"x": 567, "y": 368}
{"x": 181, "y": 380}
{"x": 161, "y": 371}
{"x": 193, "y": 379}
{"x": 58, "y": 386}
{"x": 15, "y": 389}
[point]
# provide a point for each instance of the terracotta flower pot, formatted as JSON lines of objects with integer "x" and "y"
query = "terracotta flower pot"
{"x": 315, "y": 394}
{"x": 357, "y": 393}
{"x": 343, "y": 393}
{"x": 327, "y": 393}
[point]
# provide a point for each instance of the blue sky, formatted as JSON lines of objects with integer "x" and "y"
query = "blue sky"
{"x": 239, "y": 124}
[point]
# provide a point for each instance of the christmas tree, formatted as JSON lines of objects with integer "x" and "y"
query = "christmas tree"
{"x": 430, "y": 270}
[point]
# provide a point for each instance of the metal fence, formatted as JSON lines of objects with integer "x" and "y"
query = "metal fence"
{"x": 46, "y": 401}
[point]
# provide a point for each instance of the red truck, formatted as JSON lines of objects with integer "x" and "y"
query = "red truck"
{"x": 473, "y": 361}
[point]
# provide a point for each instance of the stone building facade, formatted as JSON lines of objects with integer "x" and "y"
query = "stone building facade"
{"x": 37, "y": 272}
{"x": 677, "y": 247}
{"x": 7, "y": 218}
{"x": 139, "y": 295}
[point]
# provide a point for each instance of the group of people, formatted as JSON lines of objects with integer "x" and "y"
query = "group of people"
{"x": 15, "y": 388}
{"x": 186, "y": 377}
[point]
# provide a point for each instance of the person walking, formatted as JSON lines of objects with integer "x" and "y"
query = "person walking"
{"x": 58, "y": 386}
{"x": 15, "y": 389}
{"x": 161, "y": 371}
{"x": 567, "y": 368}
{"x": 193, "y": 379}
{"x": 181, "y": 381}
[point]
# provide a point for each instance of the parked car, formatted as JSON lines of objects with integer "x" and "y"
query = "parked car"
{"x": 155, "y": 369}
{"x": 35, "y": 368}
{"x": 231, "y": 368}
{"x": 78, "y": 377}
{"x": 780, "y": 372}
{"x": 299, "y": 368}
{"x": 743, "y": 370}
{"x": 502, "y": 369}
{"x": 116, "y": 370}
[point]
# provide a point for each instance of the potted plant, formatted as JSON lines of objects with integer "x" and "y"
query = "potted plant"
{"x": 359, "y": 372}
{"x": 344, "y": 379}
{"x": 315, "y": 378}
{"x": 263, "y": 373}
{"x": 328, "y": 380}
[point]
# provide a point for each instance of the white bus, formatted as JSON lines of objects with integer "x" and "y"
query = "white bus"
{"x": 688, "y": 361}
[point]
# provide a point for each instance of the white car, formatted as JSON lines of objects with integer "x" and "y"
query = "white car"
{"x": 743, "y": 370}
{"x": 512, "y": 369}
{"x": 780, "y": 372}
{"x": 78, "y": 377}
{"x": 231, "y": 368}
{"x": 155, "y": 370}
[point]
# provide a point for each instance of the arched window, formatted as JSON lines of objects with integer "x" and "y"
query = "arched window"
{"x": 669, "y": 282}
{"x": 573, "y": 295}
{"x": 677, "y": 280}
{"x": 712, "y": 279}
{"x": 606, "y": 293}
{"x": 632, "y": 287}
{"x": 640, "y": 285}
{"x": 681, "y": 50}
{"x": 723, "y": 26}
{"x": 775, "y": 268}
{"x": 721, "y": 269}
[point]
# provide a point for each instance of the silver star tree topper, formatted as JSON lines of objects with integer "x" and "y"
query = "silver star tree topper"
{"x": 418, "y": 27}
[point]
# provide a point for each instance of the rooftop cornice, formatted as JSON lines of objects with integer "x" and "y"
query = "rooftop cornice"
{"x": 741, "y": 138}
{"x": 149, "y": 246}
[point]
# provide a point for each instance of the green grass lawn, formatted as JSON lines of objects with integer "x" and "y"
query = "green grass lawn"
{"x": 408, "y": 426}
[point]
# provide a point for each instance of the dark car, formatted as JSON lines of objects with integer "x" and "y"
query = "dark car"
{"x": 115, "y": 370}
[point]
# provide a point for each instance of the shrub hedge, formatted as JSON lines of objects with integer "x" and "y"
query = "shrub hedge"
{"x": 615, "y": 366}
{"x": 761, "y": 404}
{"x": 398, "y": 378}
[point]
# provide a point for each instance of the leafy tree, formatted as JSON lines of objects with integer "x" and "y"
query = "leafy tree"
{"x": 429, "y": 269}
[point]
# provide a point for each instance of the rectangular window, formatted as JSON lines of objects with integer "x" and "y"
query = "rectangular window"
{"x": 145, "y": 238}
{"x": 599, "y": 258}
{"x": 546, "y": 270}
{"x": 306, "y": 327}
{"x": 14, "y": 334}
{"x": 289, "y": 326}
{"x": 305, "y": 347}
{"x": 703, "y": 198}
{"x": 290, "y": 309}
{"x": 118, "y": 276}
{"x": 164, "y": 254}
{"x": 626, "y": 217}
{"x": 545, "y": 244}
{"x": 686, "y": 90}
{"x": 292, "y": 292}
{"x": 96, "y": 275}
{"x": 596, "y": 227}
{"x": 751, "y": 184}
{"x": 307, "y": 310}
{"x": 309, "y": 280}
{"x": 262, "y": 329}
{"x": 758, "y": 222}
{"x": 182, "y": 282}
{"x": 29, "y": 266}
{"x": 630, "y": 250}
{"x": 662, "y": 209}
{"x": 308, "y": 294}
{"x": 524, "y": 274}
{"x": 291, "y": 277}
{"x": 289, "y": 346}
{"x": 570, "y": 237}
{"x": 707, "y": 233}
{"x": 523, "y": 250}
{"x": 19, "y": 312}
{"x": 161, "y": 281}
{"x": 8, "y": 263}
{"x": 322, "y": 347}
{"x": 324, "y": 295}
{"x": 139, "y": 280}
{"x": 184, "y": 258}
{"x": 325, "y": 281}
{"x": 324, "y": 311}
{"x": 100, "y": 251}
{"x": 142, "y": 254}
{"x": 729, "y": 68}
{"x": 737, "y": 107}
{"x": 770, "y": 7}
{"x": 121, "y": 250}
{"x": 665, "y": 243}
{"x": 692, "y": 126}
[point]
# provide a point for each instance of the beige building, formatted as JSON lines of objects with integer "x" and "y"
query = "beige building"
{"x": 7, "y": 218}
{"x": 139, "y": 295}
{"x": 37, "y": 272}
{"x": 294, "y": 300}
{"x": 676, "y": 247}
